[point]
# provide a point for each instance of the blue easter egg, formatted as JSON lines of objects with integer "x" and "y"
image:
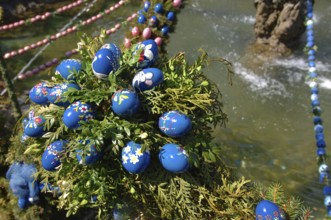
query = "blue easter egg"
{"x": 171, "y": 16}
{"x": 165, "y": 30}
{"x": 141, "y": 19}
{"x": 147, "y": 79}
{"x": 38, "y": 94}
{"x": 56, "y": 94}
{"x": 147, "y": 4}
{"x": 133, "y": 159}
{"x": 90, "y": 156}
{"x": 148, "y": 54}
{"x": 174, "y": 158}
{"x": 50, "y": 159}
{"x": 153, "y": 21}
{"x": 76, "y": 112}
{"x": 106, "y": 60}
{"x": 158, "y": 8}
{"x": 68, "y": 67}
{"x": 35, "y": 127}
{"x": 175, "y": 124}
{"x": 125, "y": 102}
{"x": 268, "y": 210}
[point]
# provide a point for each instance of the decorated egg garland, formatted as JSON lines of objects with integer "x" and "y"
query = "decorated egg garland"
{"x": 38, "y": 94}
{"x": 50, "y": 159}
{"x": 174, "y": 158}
{"x": 77, "y": 112}
{"x": 68, "y": 67}
{"x": 147, "y": 79}
{"x": 268, "y": 210}
{"x": 106, "y": 60}
{"x": 133, "y": 159}
{"x": 125, "y": 103}
{"x": 35, "y": 126}
{"x": 175, "y": 124}
{"x": 56, "y": 94}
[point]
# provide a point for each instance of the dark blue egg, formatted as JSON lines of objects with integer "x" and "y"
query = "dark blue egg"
{"x": 147, "y": 4}
{"x": 149, "y": 53}
{"x": 125, "y": 103}
{"x": 68, "y": 67}
{"x": 153, "y": 21}
{"x": 165, "y": 30}
{"x": 50, "y": 159}
{"x": 56, "y": 94}
{"x": 141, "y": 19}
{"x": 35, "y": 127}
{"x": 133, "y": 159}
{"x": 38, "y": 94}
{"x": 174, "y": 158}
{"x": 171, "y": 16}
{"x": 76, "y": 112}
{"x": 175, "y": 124}
{"x": 106, "y": 60}
{"x": 147, "y": 79}
{"x": 158, "y": 8}
{"x": 269, "y": 210}
{"x": 88, "y": 157}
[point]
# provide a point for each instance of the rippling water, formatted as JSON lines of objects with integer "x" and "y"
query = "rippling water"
{"x": 269, "y": 137}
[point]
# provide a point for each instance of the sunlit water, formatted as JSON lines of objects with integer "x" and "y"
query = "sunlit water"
{"x": 269, "y": 137}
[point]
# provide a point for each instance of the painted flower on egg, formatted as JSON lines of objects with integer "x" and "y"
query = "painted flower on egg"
{"x": 133, "y": 159}
{"x": 50, "y": 159}
{"x": 56, "y": 94}
{"x": 76, "y": 112}
{"x": 38, "y": 94}
{"x": 148, "y": 54}
{"x": 35, "y": 127}
{"x": 147, "y": 79}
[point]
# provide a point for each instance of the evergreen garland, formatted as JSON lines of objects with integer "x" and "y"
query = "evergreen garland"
{"x": 207, "y": 190}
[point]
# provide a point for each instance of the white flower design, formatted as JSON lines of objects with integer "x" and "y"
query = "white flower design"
{"x": 138, "y": 152}
{"x": 83, "y": 109}
{"x": 148, "y": 52}
{"x": 88, "y": 117}
{"x": 125, "y": 159}
{"x": 57, "y": 92}
{"x": 134, "y": 159}
{"x": 64, "y": 86}
{"x": 127, "y": 149}
{"x": 143, "y": 77}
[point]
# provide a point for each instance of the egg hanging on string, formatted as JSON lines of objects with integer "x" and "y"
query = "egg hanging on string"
{"x": 77, "y": 112}
{"x": 35, "y": 127}
{"x": 134, "y": 160}
{"x": 68, "y": 67}
{"x": 125, "y": 103}
{"x": 175, "y": 124}
{"x": 269, "y": 210}
{"x": 174, "y": 158}
{"x": 50, "y": 159}
{"x": 56, "y": 94}
{"x": 38, "y": 94}
{"x": 147, "y": 79}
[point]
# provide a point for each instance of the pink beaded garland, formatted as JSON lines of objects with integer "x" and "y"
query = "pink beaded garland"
{"x": 135, "y": 31}
{"x": 147, "y": 33}
{"x": 177, "y": 3}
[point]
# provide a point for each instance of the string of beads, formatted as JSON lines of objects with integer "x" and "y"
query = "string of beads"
{"x": 40, "y": 17}
{"x": 56, "y": 36}
{"x": 324, "y": 174}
